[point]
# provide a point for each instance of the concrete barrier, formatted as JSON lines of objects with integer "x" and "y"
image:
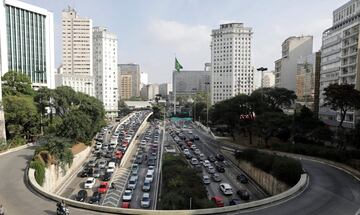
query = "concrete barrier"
{"x": 14, "y": 149}
{"x": 282, "y": 196}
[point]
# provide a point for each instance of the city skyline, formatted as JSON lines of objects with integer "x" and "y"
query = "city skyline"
{"x": 183, "y": 28}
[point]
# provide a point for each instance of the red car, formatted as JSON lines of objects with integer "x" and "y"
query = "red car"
{"x": 125, "y": 205}
{"x": 118, "y": 155}
{"x": 125, "y": 144}
{"x": 104, "y": 186}
{"x": 219, "y": 202}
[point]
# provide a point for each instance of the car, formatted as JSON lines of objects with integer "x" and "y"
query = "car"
{"x": 220, "y": 168}
{"x": 197, "y": 152}
{"x": 98, "y": 145}
{"x": 92, "y": 163}
{"x": 234, "y": 202}
{"x": 103, "y": 188}
{"x": 145, "y": 200}
{"x": 206, "y": 179}
{"x": 81, "y": 196}
{"x": 220, "y": 157}
{"x": 146, "y": 186}
{"x": 110, "y": 169}
{"x": 243, "y": 194}
{"x": 151, "y": 162}
{"x": 226, "y": 189}
{"x": 127, "y": 195}
{"x": 102, "y": 164}
{"x": 202, "y": 157}
{"x": 105, "y": 146}
{"x": 96, "y": 173}
{"x": 86, "y": 172}
{"x": 186, "y": 151}
{"x": 188, "y": 156}
{"x": 242, "y": 178}
{"x": 218, "y": 200}
{"x": 95, "y": 198}
{"x": 135, "y": 174}
{"x": 135, "y": 167}
{"x": 139, "y": 159}
{"x": 154, "y": 155}
{"x": 190, "y": 132}
{"x": 210, "y": 169}
{"x": 97, "y": 151}
{"x": 216, "y": 177}
{"x": 149, "y": 177}
{"x": 89, "y": 183}
{"x": 107, "y": 176}
{"x": 132, "y": 182}
{"x": 125, "y": 205}
{"x": 196, "y": 137}
{"x": 151, "y": 169}
{"x": 118, "y": 155}
{"x": 194, "y": 161}
{"x": 206, "y": 163}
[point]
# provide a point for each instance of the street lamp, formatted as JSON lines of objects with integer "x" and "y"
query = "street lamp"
{"x": 262, "y": 69}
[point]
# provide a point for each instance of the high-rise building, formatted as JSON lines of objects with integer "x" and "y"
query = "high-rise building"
{"x": 105, "y": 68}
{"x": 339, "y": 59}
{"x": 268, "y": 79}
{"x": 190, "y": 82}
{"x": 149, "y": 92}
{"x": 165, "y": 89}
{"x": 77, "y": 53}
{"x": 232, "y": 72}
{"x": 293, "y": 48}
{"x": 144, "y": 79}
{"x": 126, "y": 86}
{"x": 307, "y": 81}
{"x": 134, "y": 71}
{"x": 27, "y": 42}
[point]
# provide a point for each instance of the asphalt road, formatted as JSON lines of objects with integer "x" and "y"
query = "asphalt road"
{"x": 330, "y": 192}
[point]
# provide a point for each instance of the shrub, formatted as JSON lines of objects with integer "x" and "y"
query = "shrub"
{"x": 39, "y": 168}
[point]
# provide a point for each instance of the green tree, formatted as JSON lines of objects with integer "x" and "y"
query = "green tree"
{"x": 16, "y": 83}
{"x": 77, "y": 126}
{"x": 343, "y": 98}
{"x": 21, "y": 116}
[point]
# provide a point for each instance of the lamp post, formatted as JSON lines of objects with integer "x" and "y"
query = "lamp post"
{"x": 41, "y": 113}
{"x": 262, "y": 69}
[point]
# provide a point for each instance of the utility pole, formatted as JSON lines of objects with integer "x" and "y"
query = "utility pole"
{"x": 262, "y": 69}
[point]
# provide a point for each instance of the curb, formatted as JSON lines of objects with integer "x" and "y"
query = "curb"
{"x": 14, "y": 149}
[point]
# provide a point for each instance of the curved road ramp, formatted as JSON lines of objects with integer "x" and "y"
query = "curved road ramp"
{"x": 301, "y": 185}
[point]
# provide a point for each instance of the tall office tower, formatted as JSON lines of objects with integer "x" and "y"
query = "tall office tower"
{"x": 190, "y": 82}
{"x": 165, "y": 89}
{"x": 27, "y": 42}
{"x": 340, "y": 59}
{"x": 126, "y": 86}
{"x": 293, "y": 48}
{"x": 307, "y": 81}
{"x": 149, "y": 92}
{"x": 134, "y": 71}
{"x": 77, "y": 51}
{"x": 232, "y": 72}
{"x": 105, "y": 68}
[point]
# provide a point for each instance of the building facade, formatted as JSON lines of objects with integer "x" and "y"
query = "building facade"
{"x": 27, "y": 42}
{"x": 307, "y": 81}
{"x": 268, "y": 79}
{"x": 340, "y": 58}
{"x": 134, "y": 71}
{"x": 144, "y": 79}
{"x": 125, "y": 91}
{"x": 165, "y": 89}
{"x": 293, "y": 48}
{"x": 77, "y": 53}
{"x": 190, "y": 82}
{"x": 105, "y": 68}
{"x": 231, "y": 70}
{"x": 149, "y": 92}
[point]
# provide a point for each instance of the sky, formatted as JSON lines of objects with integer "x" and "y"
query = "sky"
{"x": 152, "y": 32}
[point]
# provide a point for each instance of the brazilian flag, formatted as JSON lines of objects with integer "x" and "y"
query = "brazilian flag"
{"x": 177, "y": 65}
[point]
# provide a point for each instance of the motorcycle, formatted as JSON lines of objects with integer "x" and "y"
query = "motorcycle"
{"x": 62, "y": 211}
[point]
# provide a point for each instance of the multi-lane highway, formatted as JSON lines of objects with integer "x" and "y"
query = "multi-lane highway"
{"x": 330, "y": 191}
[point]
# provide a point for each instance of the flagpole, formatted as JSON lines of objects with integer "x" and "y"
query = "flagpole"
{"x": 174, "y": 89}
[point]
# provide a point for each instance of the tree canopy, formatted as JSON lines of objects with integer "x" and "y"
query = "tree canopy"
{"x": 16, "y": 83}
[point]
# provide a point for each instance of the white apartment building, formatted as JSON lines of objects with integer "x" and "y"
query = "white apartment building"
{"x": 293, "y": 48}
{"x": 339, "y": 58}
{"x": 77, "y": 60}
{"x": 231, "y": 72}
{"x": 105, "y": 68}
{"x": 27, "y": 42}
{"x": 268, "y": 79}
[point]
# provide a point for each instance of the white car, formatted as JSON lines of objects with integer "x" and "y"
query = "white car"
{"x": 210, "y": 169}
{"x": 98, "y": 145}
{"x": 149, "y": 177}
{"x": 206, "y": 163}
{"x": 151, "y": 169}
{"x": 89, "y": 183}
{"x": 110, "y": 169}
{"x": 226, "y": 189}
{"x": 197, "y": 151}
{"x": 186, "y": 151}
{"x": 202, "y": 157}
{"x": 194, "y": 161}
{"x": 145, "y": 200}
{"x": 127, "y": 196}
{"x": 143, "y": 143}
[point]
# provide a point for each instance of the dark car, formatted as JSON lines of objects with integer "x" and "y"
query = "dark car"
{"x": 196, "y": 137}
{"x": 234, "y": 202}
{"x": 87, "y": 172}
{"x": 220, "y": 157}
{"x": 139, "y": 159}
{"x": 220, "y": 168}
{"x": 81, "y": 196}
{"x": 107, "y": 176}
{"x": 211, "y": 158}
{"x": 151, "y": 162}
{"x": 243, "y": 194}
{"x": 242, "y": 178}
{"x": 95, "y": 198}
{"x": 188, "y": 156}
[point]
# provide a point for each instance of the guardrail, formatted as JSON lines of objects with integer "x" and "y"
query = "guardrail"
{"x": 14, "y": 149}
{"x": 292, "y": 191}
